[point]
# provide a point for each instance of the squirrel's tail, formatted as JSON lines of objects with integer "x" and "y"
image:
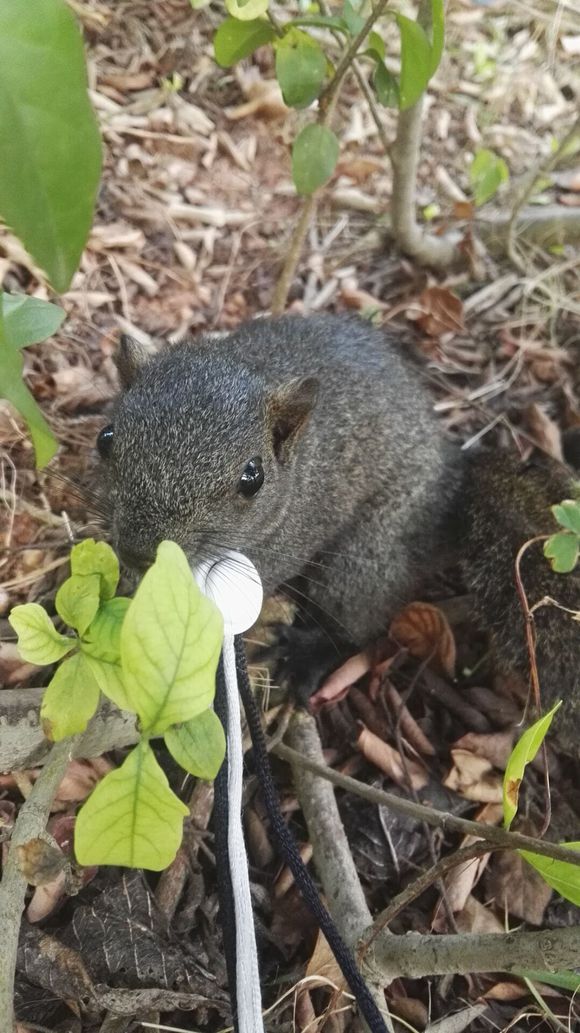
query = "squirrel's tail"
{"x": 504, "y": 504}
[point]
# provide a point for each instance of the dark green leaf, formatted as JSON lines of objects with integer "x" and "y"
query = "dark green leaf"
{"x": 314, "y": 157}
{"x": 386, "y": 86}
{"x": 564, "y": 980}
{"x": 487, "y": 172}
{"x": 13, "y": 388}
{"x": 29, "y": 320}
{"x": 300, "y": 69}
{"x": 352, "y": 19}
{"x": 568, "y": 515}
{"x": 562, "y": 550}
{"x": 416, "y": 59}
{"x": 49, "y": 140}
{"x": 235, "y": 40}
{"x": 375, "y": 47}
{"x": 320, "y": 21}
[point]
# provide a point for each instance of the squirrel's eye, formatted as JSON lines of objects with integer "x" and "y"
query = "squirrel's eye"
{"x": 252, "y": 478}
{"x": 105, "y": 441}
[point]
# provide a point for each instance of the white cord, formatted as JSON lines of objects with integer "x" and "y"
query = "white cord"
{"x": 234, "y": 585}
{"x": 248, "y": 995}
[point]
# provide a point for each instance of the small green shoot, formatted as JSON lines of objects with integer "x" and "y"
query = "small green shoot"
{"x": 155, "y": 655}
{"x": 487, "y": 172}
{"x": 563, "y": 548}
{"x": 522, "y": 754}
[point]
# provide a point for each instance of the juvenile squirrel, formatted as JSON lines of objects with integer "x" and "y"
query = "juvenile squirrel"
{"x": 310, "y": 445}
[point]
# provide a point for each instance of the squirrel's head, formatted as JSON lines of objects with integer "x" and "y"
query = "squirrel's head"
{"x": 199, "y": 450}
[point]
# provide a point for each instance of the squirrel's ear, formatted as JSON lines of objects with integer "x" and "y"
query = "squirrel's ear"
{"x": 288, "y": 410}
{"x": 131, "y": 356}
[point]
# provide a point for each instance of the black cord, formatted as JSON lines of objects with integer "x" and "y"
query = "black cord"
{"x": 290, "y": 853}
{"x": 222, "y": 859}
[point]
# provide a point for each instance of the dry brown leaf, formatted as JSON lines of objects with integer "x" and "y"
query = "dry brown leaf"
{"x": 409, "y": 727}
{"x": 438, "y": 311}
{"x": 474, "y": 778}
{"x": 544, "y": 431}
{"x": 324, "y": 966}
{"x": 424, "y": 630}
{"x": 285, "y": 880}
{"x": 476, "y": 918}
{"x": 40, "y": 861}
{"x": 506, "y": 991}
{"x": 337, "y": 685}
{"x": 517, "y": 887}
{"x": 569, "y": 200}
{"x": 387, "y": 759}
{"x": 463, "y": 209}
{"x": 46, "y": 898}
{"x": 80, "y": 779}
{"x": 495, "y": 747}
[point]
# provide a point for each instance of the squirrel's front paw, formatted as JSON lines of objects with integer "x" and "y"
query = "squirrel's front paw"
{"x": 301, "y": 658}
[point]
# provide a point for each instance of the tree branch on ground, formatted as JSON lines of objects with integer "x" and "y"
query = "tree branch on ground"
{"x": 332, "y": 857}
{"x": 438, "y": 819}
{"x": 30, "y": 824}
{"x": 415, "y": 956}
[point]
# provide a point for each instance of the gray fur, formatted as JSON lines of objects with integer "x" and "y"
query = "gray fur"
{"x": 363, "y": 495}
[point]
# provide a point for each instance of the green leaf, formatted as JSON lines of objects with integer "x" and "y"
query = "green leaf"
{"x": 568, "y": 515}
{"x": 29, "y": 320}
{"x": 321, "y": 21}
{"x": 132, "y": 818}
{"x": 170, "y": 644}
{"x": 416, "y": 61}
{"x": 300, "y": 68}
{"x": 91, "y": 557}
{"x": 437, "y": 33}
{"x": 386, "y": 86}
{"x": 38, "y": 640}
{"x": 246, "y": 10}
{"x": 562, "y": 550}
{"x": 561, "y": 876}
{"x": 486, "y": 174}
{"x": 102, "y": 648}
{"x": 77, "y": 601}
{"x": 70, "y": 699}
{"x": 199, "y": 745}
{"x": 49, "y": 140}
{"x": 376, "y": 47}
{"x": 566, "y": 980}
{"x": 13, "y": 388}
{"x": 314, "y": 157}
{"x": 109, "y": 678}
{"x": 522, "y": 754}
{"x": 351, "y": 17}
{"x": 235, "y": 40}
{"x": 103, "y": 638}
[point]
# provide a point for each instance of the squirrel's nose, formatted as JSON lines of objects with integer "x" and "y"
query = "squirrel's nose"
{"x": 137, "y": 560}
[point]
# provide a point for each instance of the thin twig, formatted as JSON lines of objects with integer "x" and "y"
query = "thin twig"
{"x": 30, "y": 823}
{"x": 439, "y": 819}
{"x": 534, "y": 676}
{"x": 327, "y": 104}
{"x": 542, "y": 169}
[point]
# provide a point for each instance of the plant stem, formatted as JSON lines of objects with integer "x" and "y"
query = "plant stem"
{"x": 438, "y": 819}
{"x": 30, "y": 823}
{"x": 327, "y": 105}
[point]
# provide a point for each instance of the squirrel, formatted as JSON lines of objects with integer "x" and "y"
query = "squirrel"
{"x": 310, "y": 444}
